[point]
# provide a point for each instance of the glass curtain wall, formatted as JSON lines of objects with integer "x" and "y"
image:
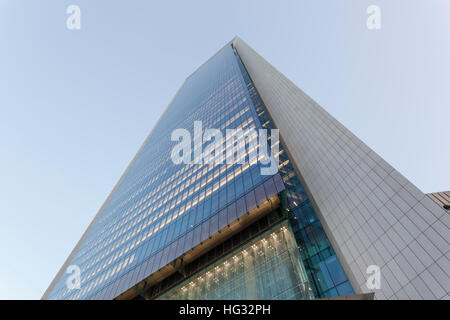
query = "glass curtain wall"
{"x": 324, "y": 270}
{"x": 160, "y": 209}
{"x": 269, "y": 267}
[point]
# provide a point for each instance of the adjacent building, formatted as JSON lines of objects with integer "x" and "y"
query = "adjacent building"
{"x": 442, "y": 199}
{"x": 197, "y": 230}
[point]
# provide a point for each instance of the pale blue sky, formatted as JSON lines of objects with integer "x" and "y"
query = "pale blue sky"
{"x": 76, "y": 105}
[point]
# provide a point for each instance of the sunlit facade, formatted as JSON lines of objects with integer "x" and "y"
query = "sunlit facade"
{"x": 166, "y": 230}
{"x": 217, "y": 230}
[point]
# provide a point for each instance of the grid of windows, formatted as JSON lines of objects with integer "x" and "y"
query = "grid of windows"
{"x": 325, "y": 272}
{"x": 161, "y": 210}
{"x": 269, "y": 267}
{"x": 159, "y": 205}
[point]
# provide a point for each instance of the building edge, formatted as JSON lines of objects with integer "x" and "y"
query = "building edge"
{"x": 392, "y": 194}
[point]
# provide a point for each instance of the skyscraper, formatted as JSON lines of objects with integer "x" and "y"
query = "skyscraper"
{"x": 333, "y": 214}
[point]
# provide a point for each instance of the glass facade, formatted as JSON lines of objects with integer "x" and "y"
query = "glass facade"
{"x": 269, "y": 267}
{"x": 160, "y": 210}
{"x": 324, "y": 269}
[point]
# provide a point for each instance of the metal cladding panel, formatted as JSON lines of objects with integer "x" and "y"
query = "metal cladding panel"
{"x": 151, "y": 266}
{"x": 214, "y": 225}
{"x": 241, "y": 208}
{"x": 122, "y": 284}
{"x": 260, "y": 195}
{"x": 164, "y": 256}
{"x": 205, "y": 230}
{"x": 371, "y": 213}
{"x": 270, "y": 189}
{"x": 250, "y": 201}
{"x": 157, "y": 264}
{"x": 172, "y": 251}
{"x": 180, "y": 248}
{"x": 197, "y": 237}
{"x": 188, "y": 243}
{"x": 231, "y": 213}
{"x": 278, "y": 183}
{"x": 223, "y": 219}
